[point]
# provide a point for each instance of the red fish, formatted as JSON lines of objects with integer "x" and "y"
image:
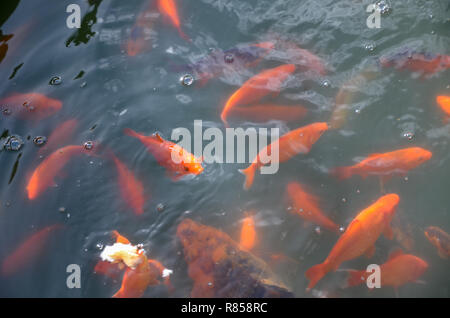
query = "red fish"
{"x": 33, "y": 106}
{"x": 266, "y": 112}
{"x": 386, "y": 164}
{"x": 440, "y": 239}
{"x": 131, "y": 189}
{"x": 257, "y": 87}
{"x": 164, "y": 151}
{"x": 359, "y": 238}
{"x": 248, "y": 233}
{"x": 44, "y": 175}
{"x": 444, "y": 103}
{"x": 426, "y": 64}
{"x": 290, "y": 144}
{"x": 169, "y": 9}
{"x": 29, "y": 251}
{"x": 307, "y": 207}
{"x": 139, "y": 41}
{"x": 399, "y": 270}
{"x": 62, "y": 134}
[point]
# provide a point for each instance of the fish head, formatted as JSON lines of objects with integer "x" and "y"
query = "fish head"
{"x": 192, "y": 166}
{"x": 419, "y": 155}
{"x": 419, "y": 267}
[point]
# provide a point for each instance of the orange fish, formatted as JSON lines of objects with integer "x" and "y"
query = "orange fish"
{"x": 29, "y": 251}
{"x": 440, "y": 239}
{"x": 426, "y": 63}
{"x": 169, "y": 9}
{"x": 266, "y": 112}
{"x": 359, "y": 238}
{"x": 399, "y": 270}
{"x": 139, "y": 41}
{"x": 307, "y": 207}
{"x": 32, "y": 106}
{"x": 290, "y": 144}
{"x": 248, "y": 233}
{"x": 166, "y": 151}
{"x": 397, "y": 162}
{"x": 131, "y": 189}
{"x": 44, "y": 175}
{"x": 302, "y": 58}
{"x": 444, "y": 103}
{"x": 257, "y": 87}
{"x": 59, "y": 136}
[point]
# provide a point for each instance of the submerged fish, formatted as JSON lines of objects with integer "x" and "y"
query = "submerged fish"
{"x": 266, "y": 112}
{"x": 397, "y": 162}
{"x": 444, "y": 104}
{"x": 440, "y": 239}
{"x": 267, "y": 82}
{"x": 399, "y": 270}
{"x": 174, "y": 158}
{"x": 31, "y": 106}
{"x": 248, "y": 233}
{"x": 52, "y": 166}
{"x": 139, "y": 39}
{"x": 169, "y": 9}
{"x": 425, "y": 63}
{"x": 298, "y": 141}
{"x": 359, "y": 237}
{"x": 60, "y": 135}
{"x": 29, "y": 250}
{"x": 235, "y": 59}
{"x": 306, "y": 205}
{"x": 220, "y": 268}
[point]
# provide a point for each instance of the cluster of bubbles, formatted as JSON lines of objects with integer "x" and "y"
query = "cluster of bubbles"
{"x": 383, "y": 7}
{"x": 187, "y": 80}
{"x": 13, "y": 143}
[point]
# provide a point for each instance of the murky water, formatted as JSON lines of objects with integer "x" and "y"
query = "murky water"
{"x": 106, "y": 90}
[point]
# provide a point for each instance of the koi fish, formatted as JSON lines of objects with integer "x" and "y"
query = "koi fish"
{"x": 139, "y": 39}
{"x": 168, "y": 8}
{"x": 140, "y": 272}
{"x": 174, "y": 158}
{"x": 444, "y": 103}
{"x": 234, "y": 59}
{"x": 440, "y": 239}
{"x": 425, "y": 63}
{"x": 44, "y": 175}
{"x": 131, "y": 189}
{"x": 298, "y": 141}
{"x": 266, "y": 112}
{"x": 359, "y": 238}
{"x": 59, "y": 136}
{"x": 386, "y": 164}
{"x": 399, "y": 270}
{"x": 257, "y": 87}
{"x": 248, "y": 234}
{"x": 34, "y": 106}
{"x": 307, "y": 207}
{"x": 29, "y": 250}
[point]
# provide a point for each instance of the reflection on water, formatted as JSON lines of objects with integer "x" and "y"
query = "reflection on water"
{"x": 67, "y": 95}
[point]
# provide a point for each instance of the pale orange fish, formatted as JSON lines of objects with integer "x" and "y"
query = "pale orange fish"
{"x": 440, "y": 239}
{"x": 306, "y": 205}
{"x": 257, "y": 87}
{"x": 298, "y": 141}
{"x": 359, "y": 237}
{"x": 139, "y": 40}
{"x": 248, "y": 233}
{"x": 399, "y": 270}
{"x": 169, "y": 9}
{"x": 44, "y": 175}
{"x": 397, "y": 162}
{"x": 164, "y": 152}
{"x": 31, "y": 106}
{"x": 444, "y": 103}
{"x": 131, "y": 189}
{"x": 29, "y": 250}
{"x": 62, "y": 134}
{"x": 266, "y": 112}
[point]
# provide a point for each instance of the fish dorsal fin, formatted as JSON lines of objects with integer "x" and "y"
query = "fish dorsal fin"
{"x": 158, "y": 137}
{"x": 395, "y": 253}
{"x": 120, "y": 238}
{"x": 354, "y": 226}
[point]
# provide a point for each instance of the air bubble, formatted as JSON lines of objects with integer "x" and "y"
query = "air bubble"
{"x": 326, "y": 83}
{"x": 383, "y": 7}
{"x": 13, "y": 143}
{"x": 228, "y": 58}
{"x": 55, "y": 80}
{"x": 342, "y": 229}
{"x": 317, "y": 230}
{"x": 88, "y": 145}
{"x": 160, "y": 207}
{"x": 40, "y": 140}
{"x": 369, "y": 47}
{"x": 187, "y": 80}
{"x": 409, "y": 135}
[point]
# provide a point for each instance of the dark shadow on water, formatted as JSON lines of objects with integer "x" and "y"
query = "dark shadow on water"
{"x": 85, "y": 33}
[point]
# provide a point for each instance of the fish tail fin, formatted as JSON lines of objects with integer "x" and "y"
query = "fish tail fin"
{"x": 131, "y": 132}
{"x": 249, "y": 174}
{"x": 316, "y": 273}
{"x": 223, "y": 116}
{"x": 355, "y": 278}
{"x": 183, "y": 35}
{"x": 342, "y": 172}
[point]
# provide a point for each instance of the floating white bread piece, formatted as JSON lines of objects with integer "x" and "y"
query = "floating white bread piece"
{"x": 166, "y": 272}
{"x": 126, "y": 253}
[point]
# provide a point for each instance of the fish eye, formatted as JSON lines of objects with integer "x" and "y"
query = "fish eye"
{"x": 186, "y": 168}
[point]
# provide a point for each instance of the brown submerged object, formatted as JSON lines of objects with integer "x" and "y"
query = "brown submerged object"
{"x": 440, "y": 239}
{"x": 220, "y": 268}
